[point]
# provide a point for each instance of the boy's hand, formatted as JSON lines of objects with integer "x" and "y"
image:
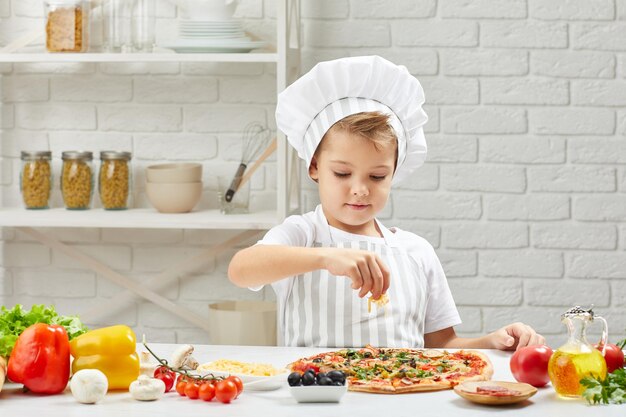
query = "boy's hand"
{"x": 515, "y": 336}
{"x": 366, "y": 270}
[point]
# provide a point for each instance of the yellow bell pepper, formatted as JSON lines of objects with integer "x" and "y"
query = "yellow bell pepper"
{"x": 111, "y": 350}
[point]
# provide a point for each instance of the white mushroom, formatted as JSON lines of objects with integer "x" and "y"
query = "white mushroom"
{"x": 89, "y": 386}
{"x": 146, "y": 366}
{"x": 182, "y": 359}
{"x": 146, "y": 388}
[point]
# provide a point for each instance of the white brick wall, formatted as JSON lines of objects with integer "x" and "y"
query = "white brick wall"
{"x": 523, "y": 194}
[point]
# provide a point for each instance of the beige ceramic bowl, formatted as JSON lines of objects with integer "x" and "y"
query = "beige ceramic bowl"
{"x": 174, "y": 197}
{"x": 174, "y": 173}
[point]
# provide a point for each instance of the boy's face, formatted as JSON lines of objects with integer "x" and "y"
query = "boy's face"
{"x": 354, "y": 180}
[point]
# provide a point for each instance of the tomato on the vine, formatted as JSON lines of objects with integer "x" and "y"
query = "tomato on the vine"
{"x": 225, "y": 391}
{"x": 166, "y": 375}
{"x": 238, "y": 382}
{"x": 207, "y": 391}
{"x": 191, "y": 390}
{"x": 180, "y": 387}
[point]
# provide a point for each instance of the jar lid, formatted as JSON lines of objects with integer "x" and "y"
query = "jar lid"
{"x": 64, "y": 2}
{"x": 30, "y": 155}
{"x": 115, "y": 155}
{"x": 79, "y": 155}
{"x": 578, "y": 311}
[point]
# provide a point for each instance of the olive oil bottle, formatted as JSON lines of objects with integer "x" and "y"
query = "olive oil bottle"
{"x": 577, "y": 359}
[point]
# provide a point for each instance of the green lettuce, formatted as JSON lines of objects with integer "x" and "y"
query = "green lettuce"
{"x": 14, "y": 321}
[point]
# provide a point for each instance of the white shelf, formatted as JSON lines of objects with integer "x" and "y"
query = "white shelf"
{"x": 143, "y": 57}
{"x": 136, "y": 219}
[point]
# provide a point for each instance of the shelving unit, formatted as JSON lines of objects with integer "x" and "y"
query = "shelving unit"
{"x": 286, "y": 57}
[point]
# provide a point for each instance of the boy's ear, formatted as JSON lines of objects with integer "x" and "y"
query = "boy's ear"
{"x": 313, "y": 171}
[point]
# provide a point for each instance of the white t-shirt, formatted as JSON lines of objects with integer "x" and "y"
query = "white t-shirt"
{"x": 304, "y": 230}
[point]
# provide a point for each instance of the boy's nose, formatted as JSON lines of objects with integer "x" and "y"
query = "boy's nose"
{"x": 360, "y": 190}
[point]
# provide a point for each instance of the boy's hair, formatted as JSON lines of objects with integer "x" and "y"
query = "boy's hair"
{"x": 373, "y": 126}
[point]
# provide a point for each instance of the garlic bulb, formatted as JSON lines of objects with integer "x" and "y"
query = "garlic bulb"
{"x": 89, "y": 386}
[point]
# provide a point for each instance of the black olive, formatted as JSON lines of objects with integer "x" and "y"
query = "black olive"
{"x": 324, "y": 381}
{"x": 338, "y": 384}
{"x": 317, "y": 360}
{"x": 367, "y": 355}
{"x": 294, "y": 379}
{"x": 308, "y": 378}
{"x": 320, "y": 376}
{"x": 336, "y": 376}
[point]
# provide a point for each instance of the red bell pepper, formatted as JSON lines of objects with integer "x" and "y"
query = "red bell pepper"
{"x": 41, "y": 359}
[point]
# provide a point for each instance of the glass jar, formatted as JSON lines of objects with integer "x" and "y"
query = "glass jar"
{"x": 66, "y": 25}
{"x": 36, "y": 179}
{"x": 115, "y": 179}
{"x": 77, "y": 180}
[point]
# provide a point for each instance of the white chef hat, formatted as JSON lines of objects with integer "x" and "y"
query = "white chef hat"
{"x": 336, "y": 89}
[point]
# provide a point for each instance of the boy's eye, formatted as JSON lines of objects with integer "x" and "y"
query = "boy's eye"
{"x": 341, "y": 174}
{"x": 378, "y": 177}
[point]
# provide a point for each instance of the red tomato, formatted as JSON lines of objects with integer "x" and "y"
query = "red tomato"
{"x": 238, "y": 382}
{"x": 225, "y": 391}
{"x": 165, "y": 375}
{"x": 530, "y": 364}
{"x": 613, "y": 355}
{"x": 180, "y": 387}
{"x": 192, "y": 390}
{"x": 207, "y": 391}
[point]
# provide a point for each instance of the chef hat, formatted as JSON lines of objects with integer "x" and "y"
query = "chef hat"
{"x": 336, "y": 89}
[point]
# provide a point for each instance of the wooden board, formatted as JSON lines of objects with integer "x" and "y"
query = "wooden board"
{"x": 467, "y": 390}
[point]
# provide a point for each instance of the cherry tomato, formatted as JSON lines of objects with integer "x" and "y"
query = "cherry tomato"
{"x": 192, "y": 390}
{"x": 238, "y": 382}
{"x": 530, "y": 364}
{"x": 165, "y": 375}
{"x": 225, "y": 391}
{"x": 182, "y": 378}
{"x": 180, "y": 387}
{"x": 207, "y": 391}
{"x": 613, "y": 355}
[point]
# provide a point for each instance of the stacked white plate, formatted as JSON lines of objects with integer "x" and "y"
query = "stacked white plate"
{"x": 212, "y": 36}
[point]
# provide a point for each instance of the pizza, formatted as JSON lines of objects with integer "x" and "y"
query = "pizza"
{"x": 400, "y": 370}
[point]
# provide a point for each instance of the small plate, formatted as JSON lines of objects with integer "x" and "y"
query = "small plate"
{"x": 254, "y": 382}
{"x": 318, "y": 393}
{"x": 467, "y": 390}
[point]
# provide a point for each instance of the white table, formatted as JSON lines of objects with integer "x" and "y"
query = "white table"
{"x": 280, "y": 403}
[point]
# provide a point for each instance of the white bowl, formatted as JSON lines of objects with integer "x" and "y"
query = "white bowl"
{"x": 254, "y": 382}
{"x": 174, "y": 198}
{"x": 318, "y": 393}
{"x": 174, "y": 173}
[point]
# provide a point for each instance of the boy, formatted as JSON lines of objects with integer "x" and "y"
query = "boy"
{"x": 357, "y": 122}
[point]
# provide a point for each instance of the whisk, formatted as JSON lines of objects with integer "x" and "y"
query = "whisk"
{"x": 256, "y": 138}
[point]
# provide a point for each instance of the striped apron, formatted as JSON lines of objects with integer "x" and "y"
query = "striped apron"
{"x": 323, "y": 310}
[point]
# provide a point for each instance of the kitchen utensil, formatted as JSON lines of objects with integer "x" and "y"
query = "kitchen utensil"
{"x": 174, "y": 197}
{"x": 468, "y": 390}
{"x": 318, "y": 393}
{"x": 256, "y": 138}
{"x": 174, "y": 172}
{"x": 268, "y": 151}
{"x": 577, "y": 359}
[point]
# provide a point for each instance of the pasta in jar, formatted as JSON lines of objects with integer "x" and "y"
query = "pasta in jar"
{"x": 77, "y": 180}
{"x": 114, "y": 180}
{"x": 36, "y": 179}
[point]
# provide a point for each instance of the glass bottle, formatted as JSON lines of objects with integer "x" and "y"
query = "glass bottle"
{"x": 114, "y": 180}
{"x": 77, "y": 179}
{"x": 67, "y": 24}
{"x": 36, "y": 179}
{"x": 144, "y": 25}
{"x": 577, "y": 359}
{"x": 118, "y": 25}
